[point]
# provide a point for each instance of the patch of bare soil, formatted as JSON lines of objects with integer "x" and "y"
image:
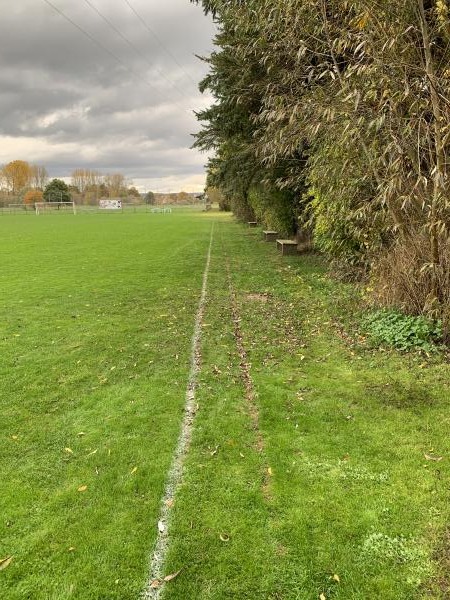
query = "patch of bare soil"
{"x": 256, "y": 297}
{"x": 250, "y": 394}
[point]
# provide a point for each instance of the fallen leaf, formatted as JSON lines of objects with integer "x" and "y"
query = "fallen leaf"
{"x": 71, "y": 549}
{"x": 169, "y": 503}
{"x": 224, "y": 537}
{"x": 172, "y": 576}
{"x": 82, "y": 488}
{"x": 81, "y": 433}
{"x": 68, "y": 450}
{"x": 322, "y": 597}
{"x": 434, "y": 458}
{"x": 133, "y": 471}
{"x": 155, "y": 584}
{"x": 5, "y": 562}
{"x": 241, "y": 455}
{"x": 336, "y": 578}
{"x": 269, "y": 471}
{"x": 15, "y": 437}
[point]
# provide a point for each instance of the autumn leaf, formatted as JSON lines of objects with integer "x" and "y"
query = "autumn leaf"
{"x": 155, "y": 584}
{"x": 224, "y": 537}
{"x": 336, "y": 578}
{"x": 82, "y": 488}
{"x": 322, "y": 597}
{"x": 68, "y": 450}
{"x": 433, "y": 458}
{"x": 269, "y": 471}
{"x": 5, "y": 562}
{"x": 172, "y": 576}
{"x": 169, "y": 503}
{"x": 133, "y": 471}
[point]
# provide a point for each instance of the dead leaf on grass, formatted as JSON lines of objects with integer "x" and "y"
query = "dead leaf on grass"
{"x": 172, "y": 576}
{"x": 5, "y": 562}
{"x": 82, "y": 488}
{"x": 336, "y": 578}
{"x": 68, "y": 450}
{"x": 269, "y": 471}
{"x": 155, "y": 584}
{"x": 224, "y": 537}
{"x": 433, "y": 458}
{"x": 133, "y": 471}
{"x": 169, "y": 503}
{"x": 322, "y": 597}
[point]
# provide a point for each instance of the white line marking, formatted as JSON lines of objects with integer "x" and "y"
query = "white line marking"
{"x": 175, "y": 473}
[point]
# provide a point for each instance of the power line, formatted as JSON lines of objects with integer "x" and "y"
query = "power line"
{"x": 105, "y": 49}
{"x": 133, "y": 47}
{"x": 161, "y": 44}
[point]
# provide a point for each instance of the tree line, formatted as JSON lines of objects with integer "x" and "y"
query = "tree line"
{"x": 22, "y": 182}
{"x": 332, "y": 118}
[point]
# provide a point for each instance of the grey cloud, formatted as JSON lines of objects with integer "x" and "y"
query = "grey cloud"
{"x": 58, "y": 87}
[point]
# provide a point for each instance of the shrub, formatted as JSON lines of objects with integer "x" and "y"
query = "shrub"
{"x": 404, "y": 332}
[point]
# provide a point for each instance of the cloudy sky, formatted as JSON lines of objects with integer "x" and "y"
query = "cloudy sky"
{"x": 119, "y": 99}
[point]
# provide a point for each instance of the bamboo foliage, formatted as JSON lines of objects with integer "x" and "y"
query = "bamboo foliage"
{"x": 351, "y": 100}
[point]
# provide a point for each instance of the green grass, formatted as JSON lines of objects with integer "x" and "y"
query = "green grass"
{"x": 98, "y": 315}
{"x": 346, "y": 431}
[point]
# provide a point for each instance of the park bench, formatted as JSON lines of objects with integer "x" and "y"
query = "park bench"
{"x": 270, "y": 236}
{"x": 252, "y": 223}
{"x": 287, "y": 246}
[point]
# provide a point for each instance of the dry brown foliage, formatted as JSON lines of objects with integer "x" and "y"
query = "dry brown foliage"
{"x": 403, "y": 277}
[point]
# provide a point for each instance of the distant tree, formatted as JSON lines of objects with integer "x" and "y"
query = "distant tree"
{"x": 32, "y": 196}
{"x": 16, "y": 175}
{"x": 149, "y": 198}
{"x": 84, "y": 179}
{"x": 116, "y": 184}
{"x": 216, "y": 196}
{"x": 132, "y": 191}
{"x": 38, "y": 177}
{"x": 57, "y": 191}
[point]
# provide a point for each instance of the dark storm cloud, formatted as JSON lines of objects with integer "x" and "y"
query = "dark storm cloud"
{"x": 63, "y": 95}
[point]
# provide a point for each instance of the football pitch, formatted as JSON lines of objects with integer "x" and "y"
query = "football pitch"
{"x": 314, "y": 467}
{"x": 97, "y": 318}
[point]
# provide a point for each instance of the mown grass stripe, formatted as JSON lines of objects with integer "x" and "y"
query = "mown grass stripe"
{"x": 175, "y": 474}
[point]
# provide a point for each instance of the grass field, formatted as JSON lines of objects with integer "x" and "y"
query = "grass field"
{"x": 324, "y": 475}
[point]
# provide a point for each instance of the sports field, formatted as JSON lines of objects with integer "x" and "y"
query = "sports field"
{"x": 317, "y": 468}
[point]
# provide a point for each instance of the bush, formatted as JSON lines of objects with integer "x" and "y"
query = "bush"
{"x": 404, "y": 332}
{"x": 275, "y": 209}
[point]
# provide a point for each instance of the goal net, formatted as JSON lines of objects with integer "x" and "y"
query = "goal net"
{"x": 55, "y": 207}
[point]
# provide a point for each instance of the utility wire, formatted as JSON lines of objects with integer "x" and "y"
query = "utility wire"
{"x": 133, "y": 47}
{"x": 161, "y": 44}
{"x": 109, "y": 52}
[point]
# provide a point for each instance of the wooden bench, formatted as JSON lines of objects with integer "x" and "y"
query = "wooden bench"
{"x": 270, "y": 236}
{"x": 252, "y": 223}
{"x": 287, "y": 246}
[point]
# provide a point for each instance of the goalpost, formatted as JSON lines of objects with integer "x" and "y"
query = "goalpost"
{"x": 55, "y": 207}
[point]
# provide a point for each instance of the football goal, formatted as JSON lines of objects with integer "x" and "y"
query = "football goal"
{"x": 55, "y": 207}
